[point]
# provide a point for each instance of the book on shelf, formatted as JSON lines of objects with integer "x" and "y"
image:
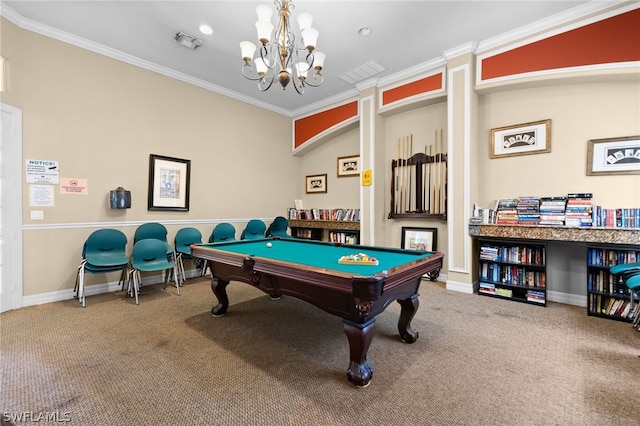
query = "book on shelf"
{"x": 528, "y": 209}
{"x": 552, "y": 210}
{"x": 506, "y": 212}
{"x": 576, "y": 209}
{"x": 350, "y": 215}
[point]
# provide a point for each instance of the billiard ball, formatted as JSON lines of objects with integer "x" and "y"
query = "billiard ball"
{"x": 269, "y": 245}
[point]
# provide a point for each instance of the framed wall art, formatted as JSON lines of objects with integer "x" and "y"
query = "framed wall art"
{"x": 168, "y": 183}
{"x": 423, "y": 239}
{"x": 614, "y": 156}
{"x": 316, "y": 184}
{"x": 349, "y": 166}
{"x": 521, "y": 139}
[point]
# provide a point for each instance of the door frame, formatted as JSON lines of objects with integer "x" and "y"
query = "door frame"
{"x": 11, "y": 291}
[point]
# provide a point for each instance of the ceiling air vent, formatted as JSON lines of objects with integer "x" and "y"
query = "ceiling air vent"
{"x": 188, "y": 40}
{"x": 362, "y": 72}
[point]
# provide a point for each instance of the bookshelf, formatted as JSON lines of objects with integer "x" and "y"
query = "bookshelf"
{"x": 513, "y": 269}
{"x": 337, "y": 231}
{"x": 607, "y": 296}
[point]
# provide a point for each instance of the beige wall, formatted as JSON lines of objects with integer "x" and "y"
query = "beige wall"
{"x": 101, "y": 118}
{"x": 421, "y": 123}
{"x": 342, "y": 192}
{"x": 578, "y": 113}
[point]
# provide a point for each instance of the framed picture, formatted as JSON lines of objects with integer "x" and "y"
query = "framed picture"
{"x": 349, "y": 166}
{"x": 423, "y": 239}
{"x": 168, "y": 183}
{"x": 614, "y": 156}
{"x": 521, "y": 139}
{"x": 316, "y": 184}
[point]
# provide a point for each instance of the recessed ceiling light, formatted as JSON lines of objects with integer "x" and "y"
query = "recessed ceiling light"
{"x": 205, "y": 29}
{"x": 364, "y": 31}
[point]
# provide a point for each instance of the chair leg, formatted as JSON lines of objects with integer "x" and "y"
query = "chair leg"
{"x": 81, "y": 298}
{"x": 180, "y": 267}
{"x": 177, "y": 283}
{"x": 136, "y": 284}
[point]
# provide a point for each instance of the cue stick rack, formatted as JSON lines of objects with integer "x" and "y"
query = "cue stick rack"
{"x": 419, "y": 181}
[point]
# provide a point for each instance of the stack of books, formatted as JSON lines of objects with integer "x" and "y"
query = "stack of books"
{"x": 552, "y": 210}
{"x": 579, "y": 210}
{"x": 506, "y": 212}
{"x": 528, "y": 209}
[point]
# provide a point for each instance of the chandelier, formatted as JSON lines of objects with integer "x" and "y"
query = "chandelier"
{"x": 280, "y": 52}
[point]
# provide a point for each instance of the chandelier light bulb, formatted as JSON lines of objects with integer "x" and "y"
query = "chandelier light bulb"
{"x": 248, "y": 49}
{"x": 310, "y": 38}
{"x": 318, "y": 61}
{"x": 261, "y": 67}
{"x": 264, "y": 31}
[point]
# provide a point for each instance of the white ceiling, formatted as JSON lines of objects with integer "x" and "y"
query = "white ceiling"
{"x": 405, "y": 34}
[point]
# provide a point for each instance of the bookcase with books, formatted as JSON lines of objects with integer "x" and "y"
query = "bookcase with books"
{"x": 607, "y": 295}
{"x": 333, "y": 225}
{"x": 513, "y": 269}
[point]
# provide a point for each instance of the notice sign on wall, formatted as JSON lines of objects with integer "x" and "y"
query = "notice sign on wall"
{"x": 42, "y": 171}
{"x": 41, "y": 195}
{"x": 73, "y": 186}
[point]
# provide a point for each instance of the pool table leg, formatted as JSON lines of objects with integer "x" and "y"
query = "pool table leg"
{"x": 408, "y": 311}
{"x": 219, "y": 288}
{"x": 359, "y": 335}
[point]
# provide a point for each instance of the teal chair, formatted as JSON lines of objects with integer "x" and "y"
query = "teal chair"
{"x": 254, "y": 230}
{"x": 156, "y": 231}
{"x": 629, "y": 273}
{"x": 182, "y": 242}
{"x": 278, "y": 228}
{"x": 223, "y": 232}
{"x": 104, "y": 251}
{"x": 149, "y": 255}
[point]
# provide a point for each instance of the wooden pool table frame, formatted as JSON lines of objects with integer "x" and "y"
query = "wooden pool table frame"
{"x": 356, "y": 299}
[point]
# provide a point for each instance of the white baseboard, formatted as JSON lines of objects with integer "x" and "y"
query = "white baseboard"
{"x": 92, "y": 290}
{"x": 460, "y": 286}
{"x": 567, "y": 298}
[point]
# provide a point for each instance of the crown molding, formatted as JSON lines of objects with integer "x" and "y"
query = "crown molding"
{"x": 463, "y": 49}
{"x": 411, "y": 73}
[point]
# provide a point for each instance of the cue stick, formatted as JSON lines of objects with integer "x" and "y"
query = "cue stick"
{"x": 444, "y": 174}
{"x": 428, "y": 187}
{"x": 397, "y": 174}
{"x": 436, "y": 173}
{"x": 400, "y": 175}
{"x": 411, "y": 174}
{"x": 407, "y": 186}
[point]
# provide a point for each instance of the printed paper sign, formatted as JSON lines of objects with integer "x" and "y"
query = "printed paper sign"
{"x": 73, "y": 186}
{"x": 42, "y": 171}
{"x": 41, "y": 195}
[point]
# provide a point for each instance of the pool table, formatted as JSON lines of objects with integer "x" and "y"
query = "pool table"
{"x": 309, "y": 270}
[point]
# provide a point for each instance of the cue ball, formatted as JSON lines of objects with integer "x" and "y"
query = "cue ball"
{"x": 269, "y": 245}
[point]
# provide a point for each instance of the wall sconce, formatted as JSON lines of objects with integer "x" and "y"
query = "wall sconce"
{"x": 120, "y": 198}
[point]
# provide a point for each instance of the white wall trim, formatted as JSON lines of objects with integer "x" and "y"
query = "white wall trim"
{"x": 452, "y": 213}
{"x": 125, "y": 224}
{"x": 12, "y": 287}
{"x": 92, "y": 290}
{"x": 567, "y": 298}
{"x": 459, "y": 286}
